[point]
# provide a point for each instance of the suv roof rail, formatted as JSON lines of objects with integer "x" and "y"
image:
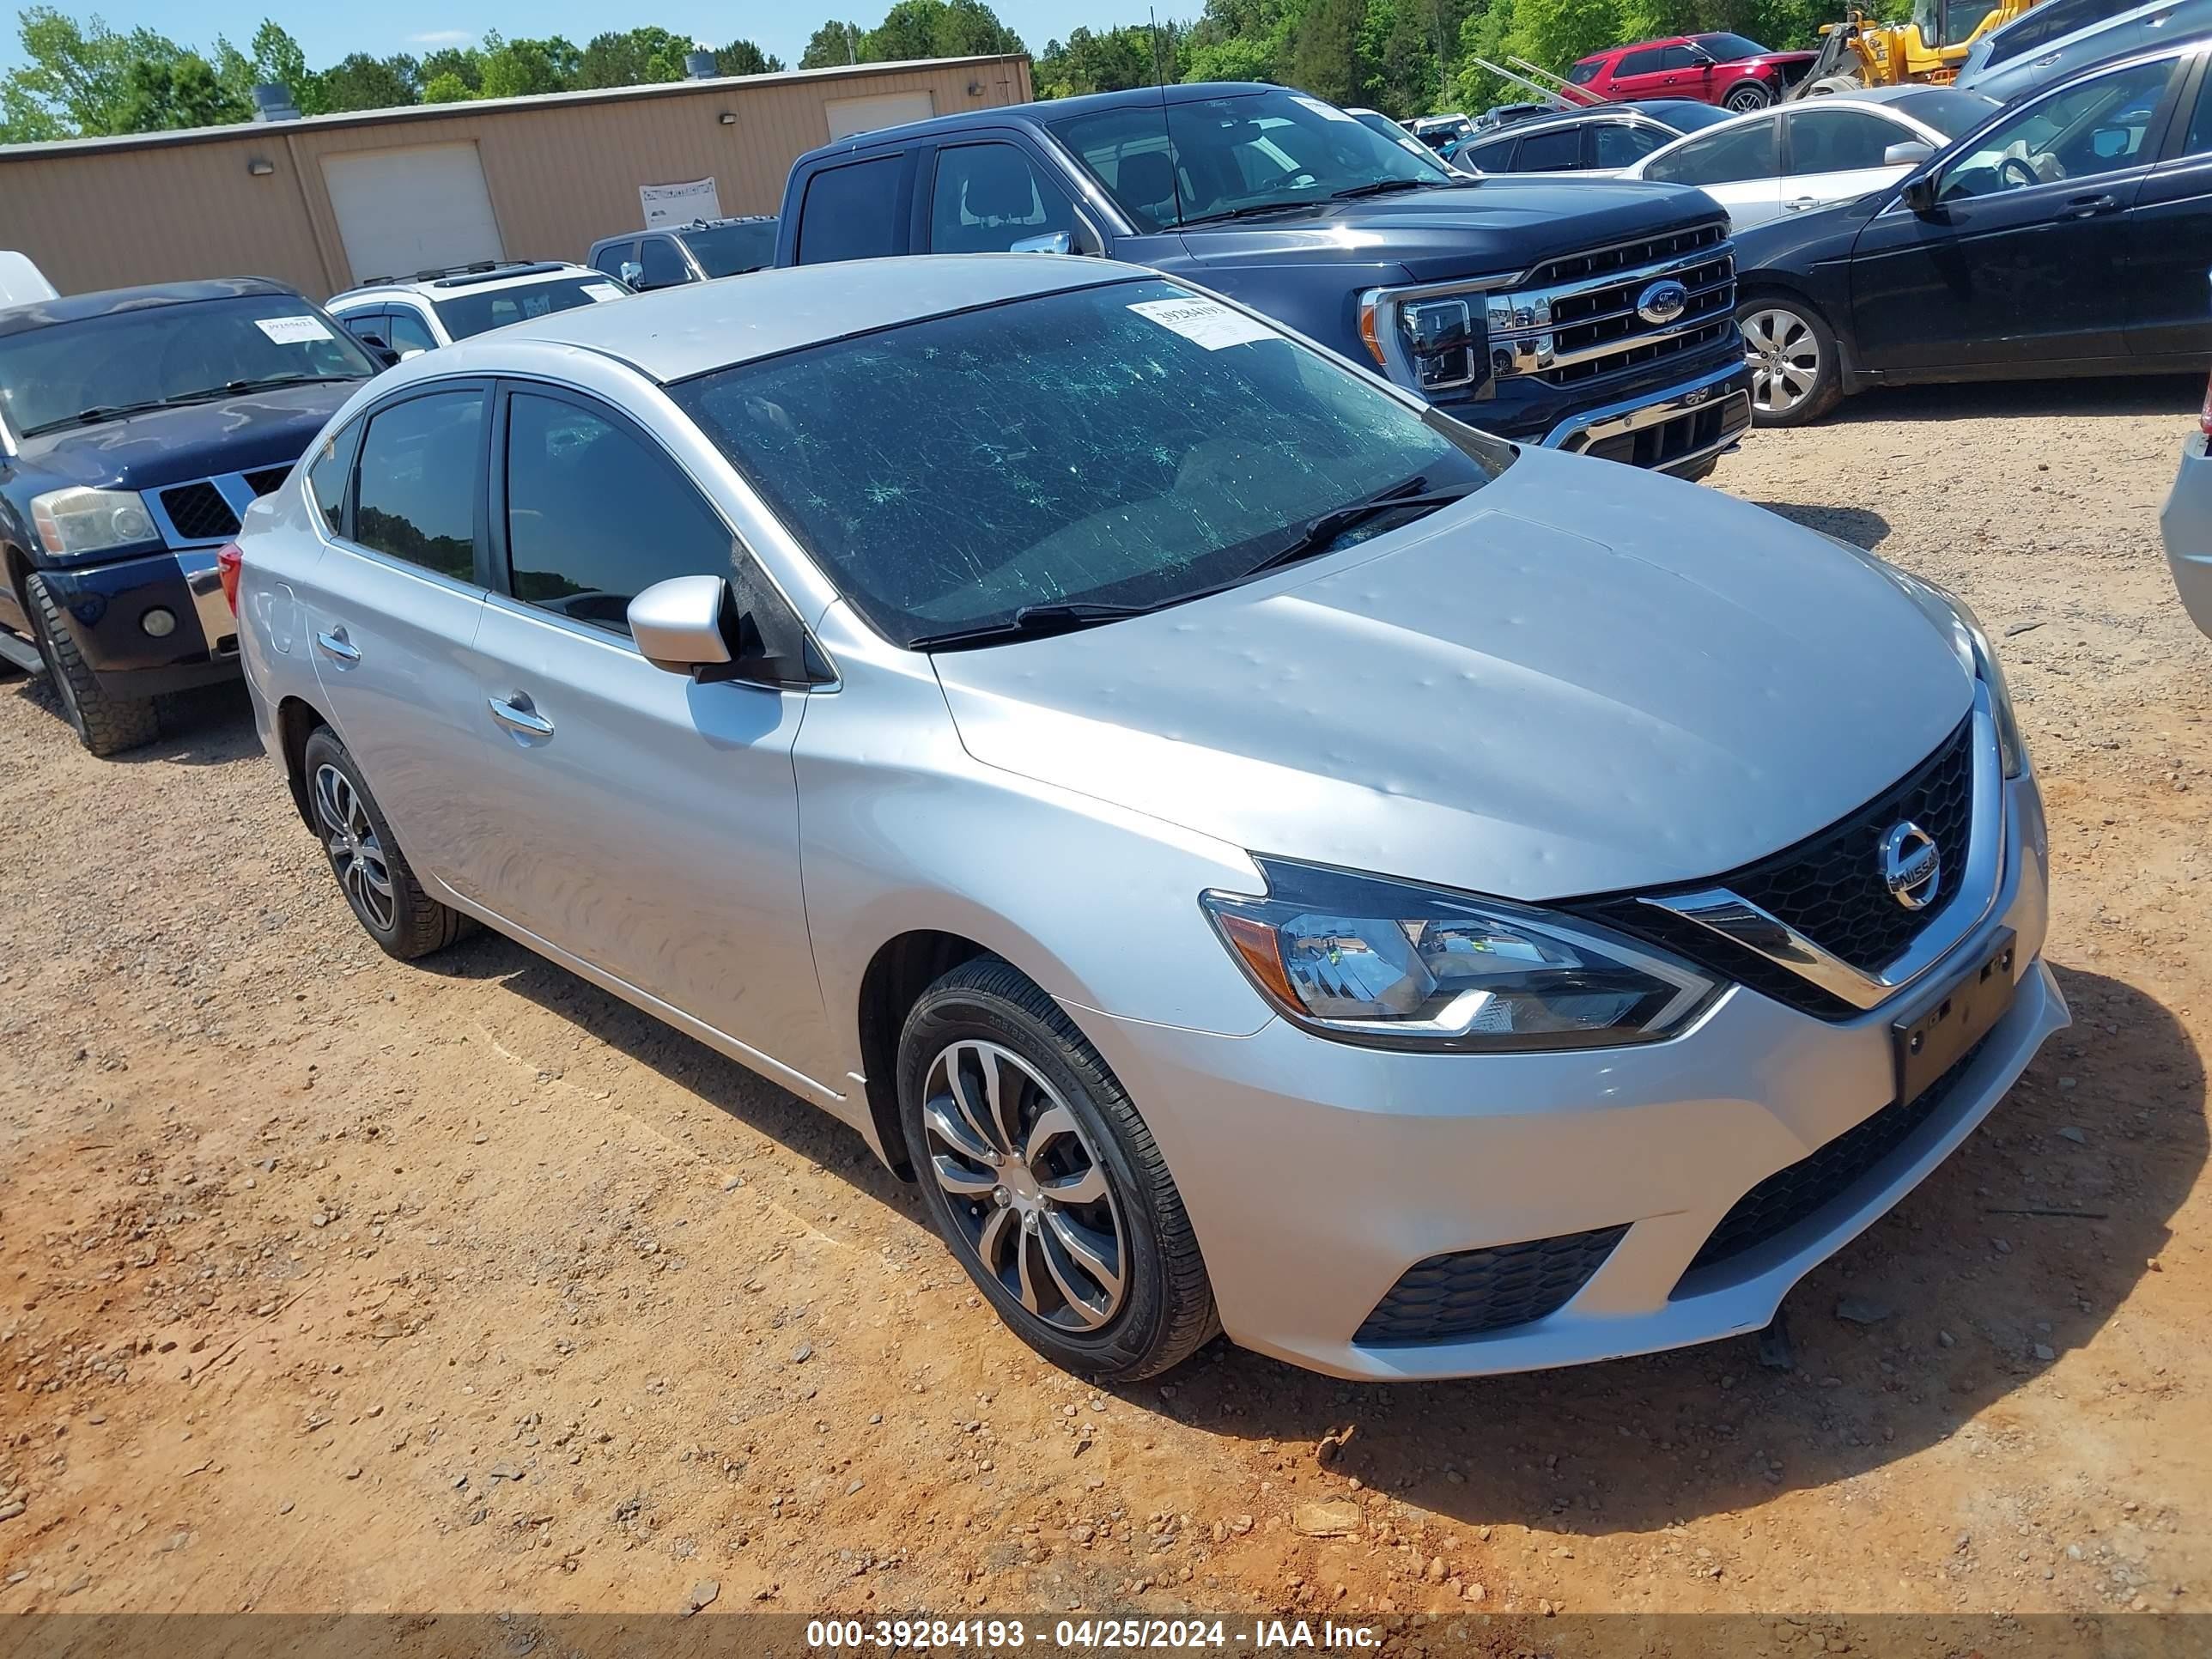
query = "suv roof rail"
{"x": 484, "y": 270}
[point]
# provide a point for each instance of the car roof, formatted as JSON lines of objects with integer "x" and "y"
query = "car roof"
{"x": 75, "y": 307}
{"x": 1566, "y": 117}
{"x": 465, "y": 282}
{"x": 674, "y": 332}
{"x": 1041, "y": 112}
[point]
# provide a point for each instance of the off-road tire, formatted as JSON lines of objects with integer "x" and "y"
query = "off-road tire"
{"x": 1167, "y": 1311}
{"x": 419, "y": 924}
{"x": 105, "y": 725}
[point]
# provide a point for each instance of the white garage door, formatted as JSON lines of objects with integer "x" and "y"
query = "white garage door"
{"x": 405, "y": 210}
{"x": 886, "y": 109}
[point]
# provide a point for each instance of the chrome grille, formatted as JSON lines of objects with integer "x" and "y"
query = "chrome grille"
{"x": 1576, "y": 318}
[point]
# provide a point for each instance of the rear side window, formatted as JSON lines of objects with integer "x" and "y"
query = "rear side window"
{"x": 1497, "y": 157}
{"x": 1647, "y": 62}
{"x": 851, "y": 212}
{"x": 1550, "y": 152}
{"x": 1622, "y": 143}
{"x": 595, "y": 515}
{"x": 1720, "y": 158}
{"x": 329, "y": 472}
{"x": 417, "y": 494}
{"x": 664, "y": 265}
{"x": 1586, "y": 71}
{"x": 611, "y": 257}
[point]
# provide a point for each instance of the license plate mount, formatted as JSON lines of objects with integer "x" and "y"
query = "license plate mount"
{"x": 1931, "y": 1043}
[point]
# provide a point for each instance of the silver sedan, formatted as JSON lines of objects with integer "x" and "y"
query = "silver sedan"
{"x": 1262, "y": 856}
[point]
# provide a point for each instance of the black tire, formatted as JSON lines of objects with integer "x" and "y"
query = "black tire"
{"x": 103, "y": 724}
{"x": 1746, "y": 96}
{"x": 1165, "y": 1312}
{"x": 1781, "y": 328}
{"x": 405, "y": 922}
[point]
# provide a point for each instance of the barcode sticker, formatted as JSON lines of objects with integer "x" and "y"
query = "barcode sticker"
{"x": 1205, "y": 322}
{"x": 292, "y": 331}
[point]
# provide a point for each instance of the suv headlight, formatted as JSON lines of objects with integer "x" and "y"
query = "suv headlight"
{"x": 80, "y": 520}
{"x": 1970, "y": 642}
{"x": 1366, "y": 959}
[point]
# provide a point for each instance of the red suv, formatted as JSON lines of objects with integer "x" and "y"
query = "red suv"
{"x": 1713, "y": 68}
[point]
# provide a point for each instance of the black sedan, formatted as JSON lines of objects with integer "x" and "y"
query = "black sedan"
{"x": 2069, "y": 234}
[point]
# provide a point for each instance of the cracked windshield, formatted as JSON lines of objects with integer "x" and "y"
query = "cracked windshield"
{"x": 1126, "y": 446}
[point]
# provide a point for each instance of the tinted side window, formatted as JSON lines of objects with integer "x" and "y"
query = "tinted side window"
{"x": 1550, "y": 152}
{"x": 1721, "y": 158}
{"x": 664, "y": 265}
{"x": 1647, "y": 62}
{"x": 418, "y": 482}
{"x": 851, "y": 212}
{"x": 595, "y": 515}
{"x": 1497, "y": 157}
{"x": 329, "y": 472}
{"x": 409, "y": 332}
{"x": 1586, "y": 71}
{"x": 610, "y": 259}
{"x": 1619, "y": 144}
{"x": 1680, "y": 58}
{"x": 1840, "y": 140}
{"x": 988, "y": 197}
{"x": 2200, "y": 125}
{"x": 367, "y": 325}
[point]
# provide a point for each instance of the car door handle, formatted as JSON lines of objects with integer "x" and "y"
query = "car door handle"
{"x": 517, "y": 714}
{"x": 335, "y": 644}
{"x": 1799, "y": 203}
{"x": 2088, "y": 207}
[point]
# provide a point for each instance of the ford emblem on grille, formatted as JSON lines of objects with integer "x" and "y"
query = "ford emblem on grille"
{"x": 1911, "y": 867}
{"x": 1664, "y": 301}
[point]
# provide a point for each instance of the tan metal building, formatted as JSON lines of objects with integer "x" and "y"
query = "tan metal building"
{"x": 326, "y": 202}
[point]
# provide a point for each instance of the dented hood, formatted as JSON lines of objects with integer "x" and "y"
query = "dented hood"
{"x": 1580, "y": 679}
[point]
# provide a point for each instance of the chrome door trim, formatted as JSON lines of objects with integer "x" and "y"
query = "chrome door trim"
{"x": 1738, "y": 920}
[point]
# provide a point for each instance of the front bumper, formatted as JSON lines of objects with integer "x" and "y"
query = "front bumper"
{"x": 2186, "y": 526}
{"x": 1678, "y": 423}
{"x": 105, "y": 607}
{"x": 1316, "y": 1174}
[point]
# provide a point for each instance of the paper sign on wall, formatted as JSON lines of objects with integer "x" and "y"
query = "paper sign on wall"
{"x": 1204, "y": 322}
{"x": 292, "y": 331}
{"x": 679, "y": 205}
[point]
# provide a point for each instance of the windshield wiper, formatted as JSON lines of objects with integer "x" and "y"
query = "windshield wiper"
{"x": 1317, "y": 534}
{"x": 1384, "y": 186}
{"x": 1031, "y": 622}
{"x": 98, "y": 412}
{"x": 1253, "y": 211}
{"x": 269, "y": 382}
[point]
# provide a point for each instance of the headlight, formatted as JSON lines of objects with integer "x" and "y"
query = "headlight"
{"x": 1368, "y": 960}
{"x": 81, "y": 520}
{"x": 1970, "y": 642}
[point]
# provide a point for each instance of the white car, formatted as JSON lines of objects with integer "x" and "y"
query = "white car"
{"x": 1810, "y": 153}
{"x": 406, "y": 315}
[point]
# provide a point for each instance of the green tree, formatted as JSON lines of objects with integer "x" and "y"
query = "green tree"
{"x": 632, "y": 57}
{"x": 938, "y": 28}
{"x": 358, "y": 81}
{"x": 1111, "y": 61}
{"x": 743, "y": 57}
{"x": 182, "y": 92}
{"x": 517, "y": 69}
{"x": 446, "y": 89}
{"x": 1325, "y": 60}
{"x": 832, "y": 44}
{"x": 1398, "y": 58}
{"x": 1233, "y": 59}
{"x": 77, "y": 78}
{"x": 463, "y": 63}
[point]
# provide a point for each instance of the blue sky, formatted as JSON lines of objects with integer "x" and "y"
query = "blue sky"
{"x": 329, "y": 32}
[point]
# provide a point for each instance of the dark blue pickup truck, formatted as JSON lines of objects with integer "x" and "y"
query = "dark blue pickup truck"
{"x": 137, "y": 425}
{"x": 1590, "y": 315}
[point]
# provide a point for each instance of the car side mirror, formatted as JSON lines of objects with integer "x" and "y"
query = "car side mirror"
{"x": 694, "y": 625}
{"x": 633, "y": 273}
{"x": 1055, "y": 241}
{"x": 384, "y": 355}
{"x": 1920, "y": 194}
{"x": 1910, "y": 154}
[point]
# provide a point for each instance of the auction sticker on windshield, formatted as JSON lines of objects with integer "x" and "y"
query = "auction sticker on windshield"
{"x": 1205, "y": 322}
{"x": 602, "y": 292}
{"x": 292, "y": 331}
{"x": 1329, "y": 112}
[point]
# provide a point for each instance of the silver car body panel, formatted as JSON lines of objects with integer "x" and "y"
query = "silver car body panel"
{"x": 2186, "y": 527}
{"x": 1583, "y": 679}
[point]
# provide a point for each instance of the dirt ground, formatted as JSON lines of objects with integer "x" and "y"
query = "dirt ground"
{"x": 328, "y": 1283}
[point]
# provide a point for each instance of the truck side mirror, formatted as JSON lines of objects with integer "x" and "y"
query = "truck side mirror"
{"x": 632, "y": 273}
{"x": 1053, "y": 241}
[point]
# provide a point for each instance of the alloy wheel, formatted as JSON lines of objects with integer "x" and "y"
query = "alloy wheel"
{"x": 1028, "y": 1193}
{"x": 1784, "y": 359}
{"x": 356, "y": 852}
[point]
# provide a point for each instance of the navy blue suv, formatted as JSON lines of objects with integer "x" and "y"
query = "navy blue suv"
{"x": 137, "y": 425}
{"x": 1593, "y": 315}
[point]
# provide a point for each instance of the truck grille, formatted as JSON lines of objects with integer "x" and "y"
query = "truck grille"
{"x": 1577, "y": 319}
{"x": 208, "y": 509}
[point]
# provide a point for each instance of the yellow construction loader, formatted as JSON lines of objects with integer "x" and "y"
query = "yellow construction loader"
{"x": 1928, "y": 50}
